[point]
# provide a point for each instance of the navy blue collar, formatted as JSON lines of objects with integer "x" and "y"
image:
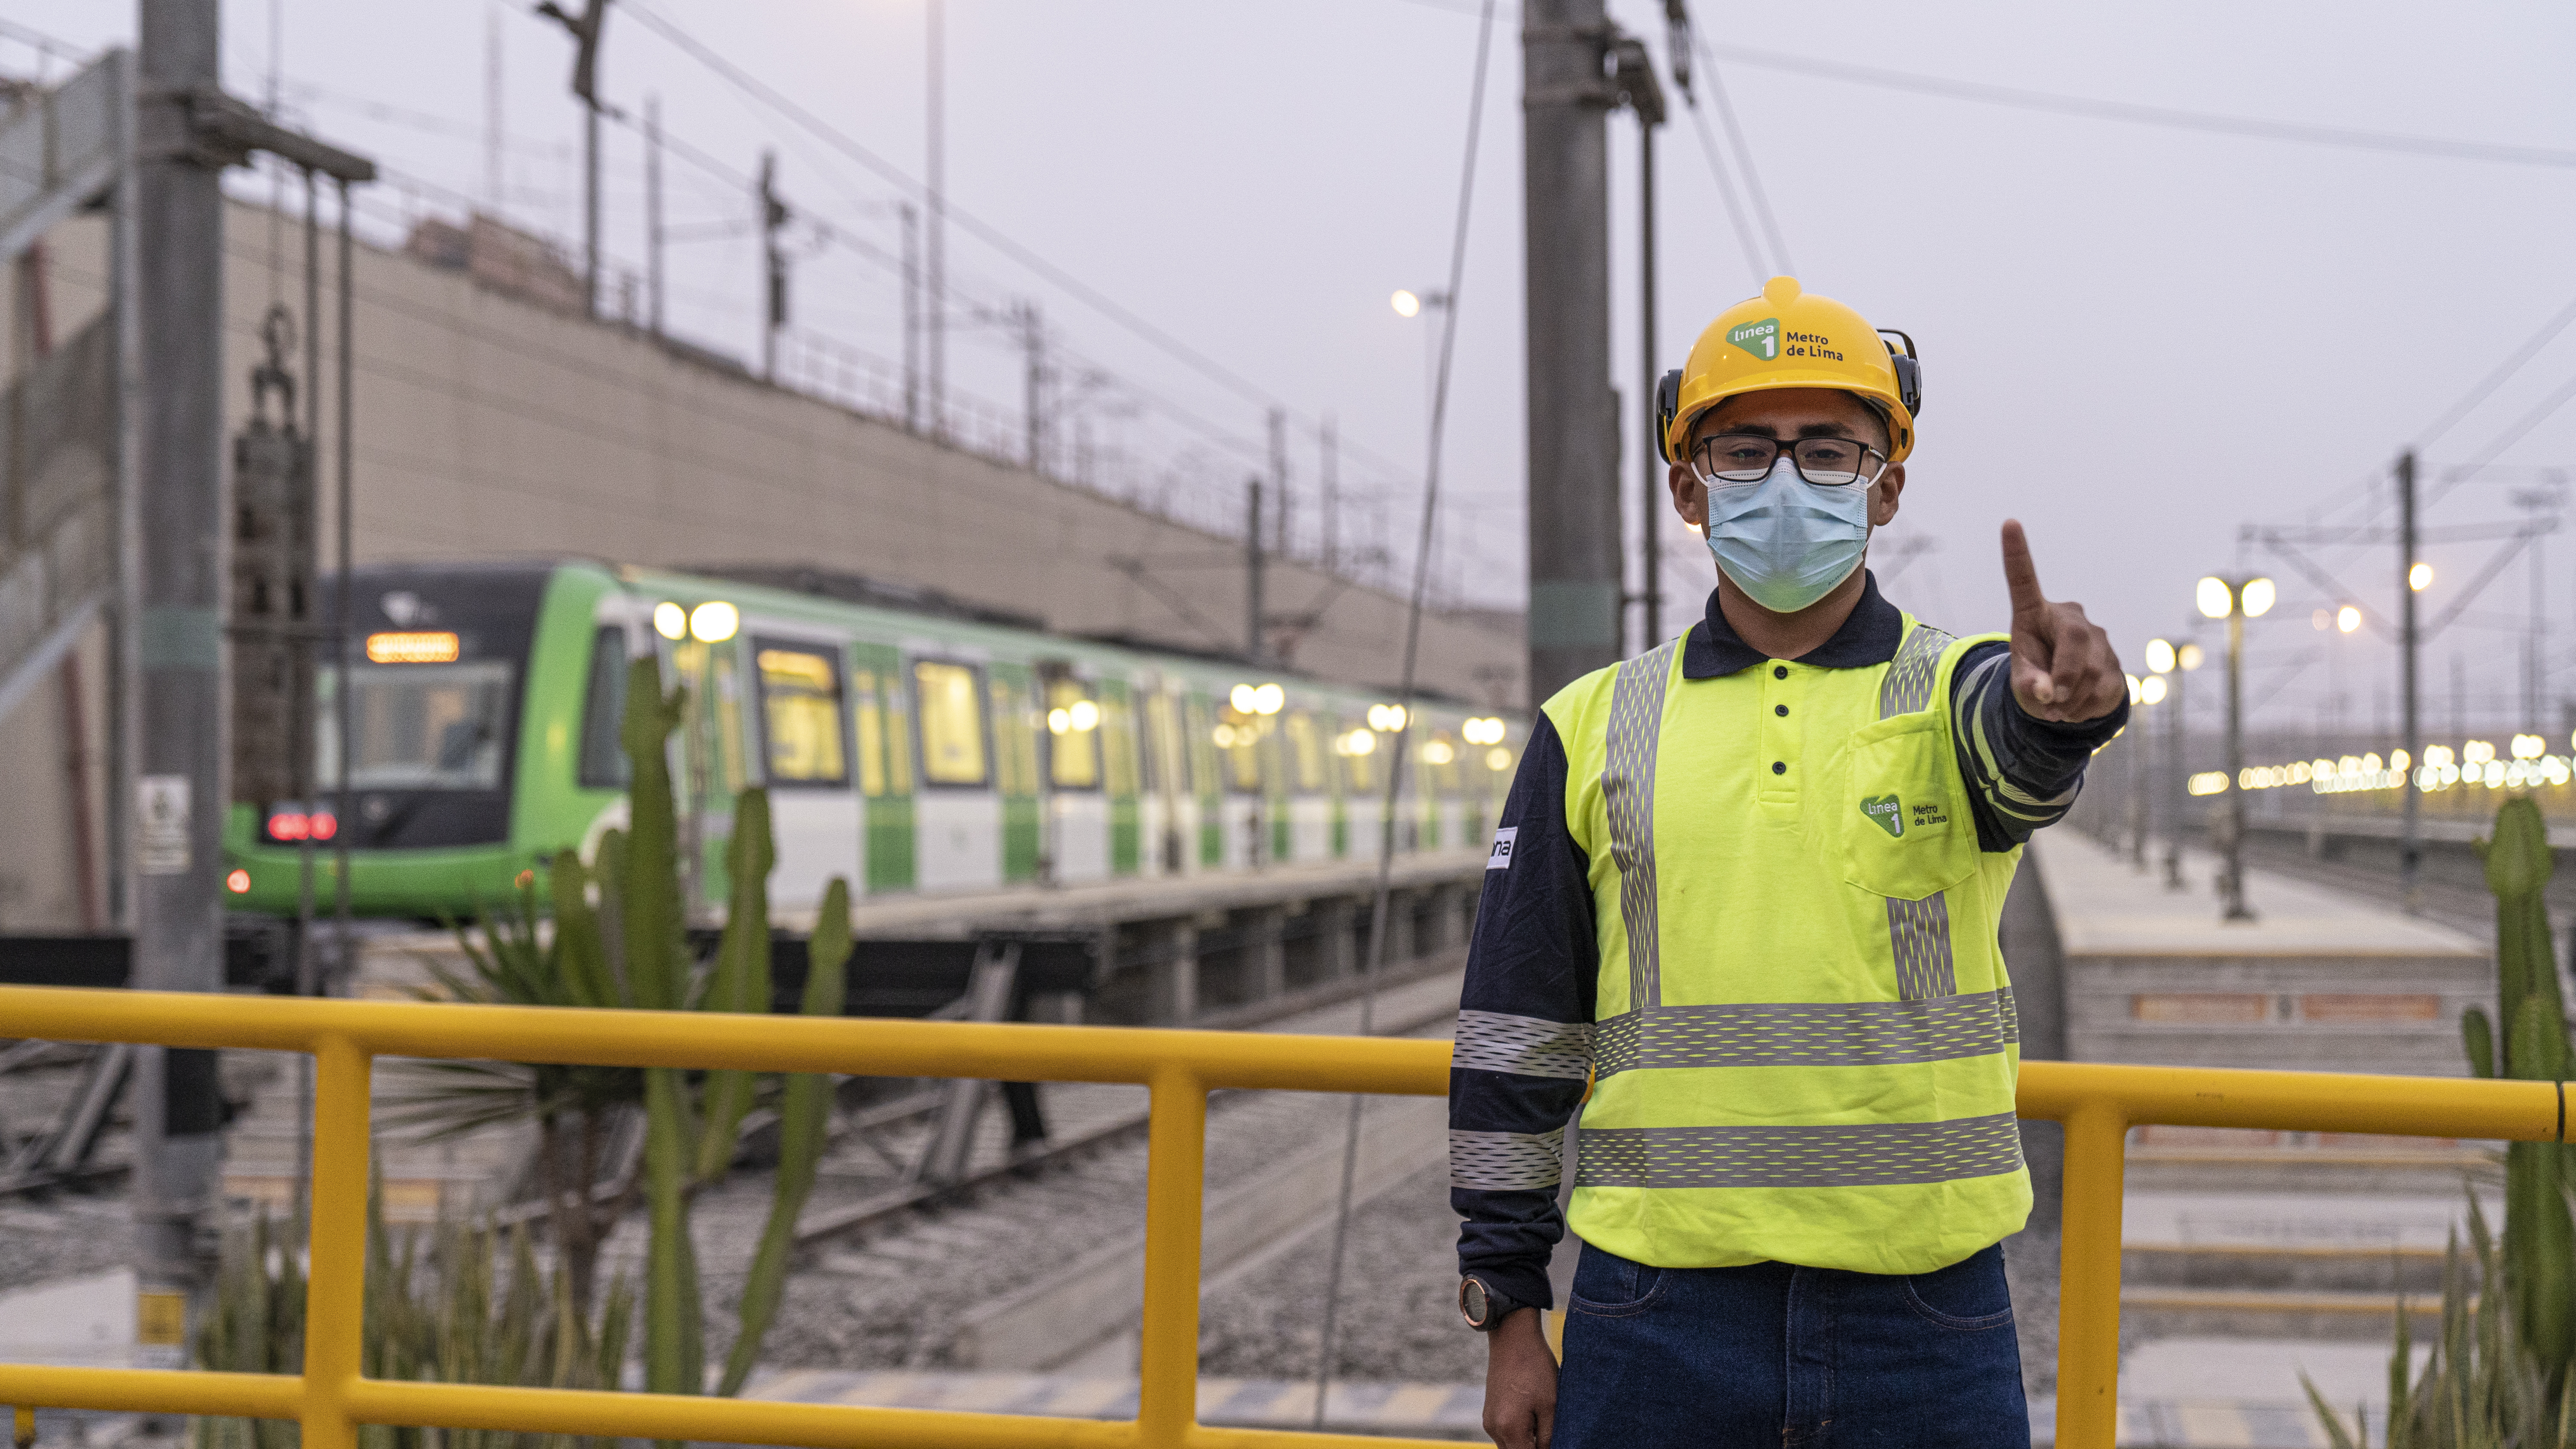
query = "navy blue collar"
{"x": 1869, "y": 636}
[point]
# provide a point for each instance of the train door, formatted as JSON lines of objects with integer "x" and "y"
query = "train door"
{"x": 1310, "y": 812}
{"x": 882, "y": 727}
{"x": 1337, "y": 765}
{"x": 1244, "y": 832}
{"x": 1015, "y": 750}
{"x": 1119, "y": 777}
{"x": 1198, "y": 718}
{"x": 805, "y": 756}
{"x": 959, "y": 840}
{"x": 1075, "y": 811}
{"x": 712, "y": 762}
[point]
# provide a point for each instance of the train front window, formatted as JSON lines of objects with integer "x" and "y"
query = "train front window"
{"x": 421, "y": 726}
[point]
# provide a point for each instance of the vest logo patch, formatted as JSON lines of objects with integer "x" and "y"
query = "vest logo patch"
{"x": 1887, "y": 812}
{"x": 1501, "y": 856}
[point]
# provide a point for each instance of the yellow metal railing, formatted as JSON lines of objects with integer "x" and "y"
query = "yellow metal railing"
{"x": 2097, "y": 1104}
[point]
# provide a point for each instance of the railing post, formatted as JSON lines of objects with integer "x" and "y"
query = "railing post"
{"x": 1167, "y": 1398}
{"x": 2088, "y": 1305}
{"x": 335, "y": 1291}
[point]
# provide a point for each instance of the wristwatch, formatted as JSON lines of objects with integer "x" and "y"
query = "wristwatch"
{"x": 1482, "y": 1307}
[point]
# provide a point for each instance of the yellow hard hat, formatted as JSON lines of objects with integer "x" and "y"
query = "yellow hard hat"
{"x": 1788, "y": 337}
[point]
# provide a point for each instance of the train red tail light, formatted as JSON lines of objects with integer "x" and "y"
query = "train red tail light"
{"x": 324, "y": 824}
{"x": 288, "y": 825}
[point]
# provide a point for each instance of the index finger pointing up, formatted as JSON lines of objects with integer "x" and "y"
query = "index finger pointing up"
{"x": 2019, "y": 575}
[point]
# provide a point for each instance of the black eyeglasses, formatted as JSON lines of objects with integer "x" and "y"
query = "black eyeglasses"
{"x": 1725, "y": 459}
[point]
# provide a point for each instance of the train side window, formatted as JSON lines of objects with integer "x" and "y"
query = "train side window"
{"x": 1167, "y": 761}
{"x": 1073, "y": 735}
{"x": 951, "y": 711}
{"x": 1305, "y": 753}
{"x": 1118, "y": 742}
{"x": 1439, "y": 754}
{"x": 800, "y": 713}
{"x": 1358, "y": 750}
{"x": 603, "y": 764}
{"x": 870, "y": 717}
{"x": 1200, "y": 739}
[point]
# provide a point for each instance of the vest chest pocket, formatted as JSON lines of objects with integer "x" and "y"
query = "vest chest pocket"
{"x": 1892, "y": 818}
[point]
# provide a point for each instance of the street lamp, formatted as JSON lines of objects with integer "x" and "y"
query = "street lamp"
{"x": 2165, "y": 668}
{"x": 2235, "y": 600}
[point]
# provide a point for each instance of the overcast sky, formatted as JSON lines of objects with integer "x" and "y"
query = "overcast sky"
{"x": 2137, "y": 337}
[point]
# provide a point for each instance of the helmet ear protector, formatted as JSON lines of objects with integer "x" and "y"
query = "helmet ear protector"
{"x": 1909, "y": 372}
{"x": 1668, "y": 401}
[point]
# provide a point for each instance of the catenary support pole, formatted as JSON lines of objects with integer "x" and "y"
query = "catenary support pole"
{"x": 1328, "y": 485}
{"x": 653, "y": 237}
{"x": 2410, "y": 840}
{"x": 1279, "y": 480}
{"x": 307, "y": 956}
{"x": 911, "y": 316}
{"x": 1650, "y": 497}
{"x": 345, "y": 629}
{"x": 1252, "y": 574}
{"x": 184, "y": 723}
{"x": 2236, "y": 909}
{"x": 935, "y": 290}
{"x": 1575, "y": 564}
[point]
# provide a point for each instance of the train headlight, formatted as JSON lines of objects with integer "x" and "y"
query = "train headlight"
{"x": 714, "y": 622}
{"x": 670, "y": 621}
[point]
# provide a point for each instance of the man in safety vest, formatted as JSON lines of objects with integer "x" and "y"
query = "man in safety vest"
{"x": 1741, "y": 912}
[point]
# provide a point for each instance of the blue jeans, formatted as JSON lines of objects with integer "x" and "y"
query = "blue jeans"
{"x": 1774, "y": 1354}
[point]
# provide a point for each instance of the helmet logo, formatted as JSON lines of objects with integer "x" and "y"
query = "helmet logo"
{"x": 1886, "y": 812}
{"x": 1762, "y": 338}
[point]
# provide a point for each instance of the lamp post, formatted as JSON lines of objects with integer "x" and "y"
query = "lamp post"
{"x": 2235, "y": 600}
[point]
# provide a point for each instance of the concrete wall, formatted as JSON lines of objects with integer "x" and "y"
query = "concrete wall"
{"x": 489, "y": 427}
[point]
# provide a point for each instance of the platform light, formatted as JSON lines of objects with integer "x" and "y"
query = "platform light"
{"x": 1386, "y": 718}
{"x": 2133, "y": 687}
{"x": 1269, "y": 699}
{"x": 1226, "y": 735}
{"x": 1437, "y": 752}
{"x": 2347, "y": 618}
{"x": 2188, "y": 656}
{"x": 2529, "y": 747}
{"x": 1482, "y": 731}
{"x": 714, "y": 622}
{"x": 670, "y": 621}
{"x": 1359, "y": 742}
{"x": 2420, "y": 577}
{"x": 2476, "y": 752}
{"x": 2257, "y": 597}
{"x": 2214, "y": 598}
{"x": 2208, "y": 782}
{"x": 1498, "y": 759}
{"x": 1406, "y": 304}
{"x": 1241, "y": 697}
{"x": 2160, "y": 656}
{"x": 2151, "y": 690}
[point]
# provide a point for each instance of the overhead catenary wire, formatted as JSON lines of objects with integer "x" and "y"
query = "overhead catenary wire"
{"x": 1379, "y": 899}
{"x": 1743, "y": 158}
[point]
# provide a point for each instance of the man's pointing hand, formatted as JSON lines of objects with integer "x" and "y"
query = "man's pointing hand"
{"x": 2063, "y": 667}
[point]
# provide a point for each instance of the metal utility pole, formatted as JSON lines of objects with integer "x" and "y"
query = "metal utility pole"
{"x": 2172, "y": 793}
{"x": 774, "y": 216}
{"x": 1279, "y": 478}
{"x": 181, "y": 565}
{"x": 1328, "y": 482}
{"x": 653, "y": 232}
{"x": 1644, "y": 95}
{"x": 495, "y": 192}
{"x": 936, "y": 184}
{"x": 585, "y": 85}
{"x": 1252, "y": 575}
{"x": 2410, "y": 843}
{"x": 1575, "y": 568}
{"x": 911, "y": 317}
{"x": 1031, "y": 325}
{"x": 2233, "y": 885}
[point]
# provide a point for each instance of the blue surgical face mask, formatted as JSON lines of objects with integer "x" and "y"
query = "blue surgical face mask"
{"x": 1786, "y": 542}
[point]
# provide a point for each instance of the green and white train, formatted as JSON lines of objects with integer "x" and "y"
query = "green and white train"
{"x": 908, "y": 749}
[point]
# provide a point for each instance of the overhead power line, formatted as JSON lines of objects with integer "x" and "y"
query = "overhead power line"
{"x": 1743, "y": 158}
{"x": 2169, "y": 117}
{"x": 2548, "y": 332}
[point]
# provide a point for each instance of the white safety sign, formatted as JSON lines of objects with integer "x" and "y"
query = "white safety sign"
{"x": 161, "y": 825}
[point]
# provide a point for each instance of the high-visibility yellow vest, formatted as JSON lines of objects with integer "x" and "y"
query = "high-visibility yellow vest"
{"x": 1805, "y": 1046}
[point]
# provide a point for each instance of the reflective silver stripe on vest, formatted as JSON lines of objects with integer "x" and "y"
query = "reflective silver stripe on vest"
{"x": 1918, "y": 932}
{"x": 1628, "y": 789}
{"x": 1908, "y": 685}
{"x": 1860, "y": 1154}
{"x": 1530, "y": 1046}
{"x": 1506, "y": 1161}
{"x": 1800, "y": 1034}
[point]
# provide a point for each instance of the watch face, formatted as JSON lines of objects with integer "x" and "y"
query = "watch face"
{"x": 1473, "y": 1303}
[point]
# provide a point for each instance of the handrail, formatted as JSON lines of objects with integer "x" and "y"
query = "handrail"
{"x": 2097, "y": 1104}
